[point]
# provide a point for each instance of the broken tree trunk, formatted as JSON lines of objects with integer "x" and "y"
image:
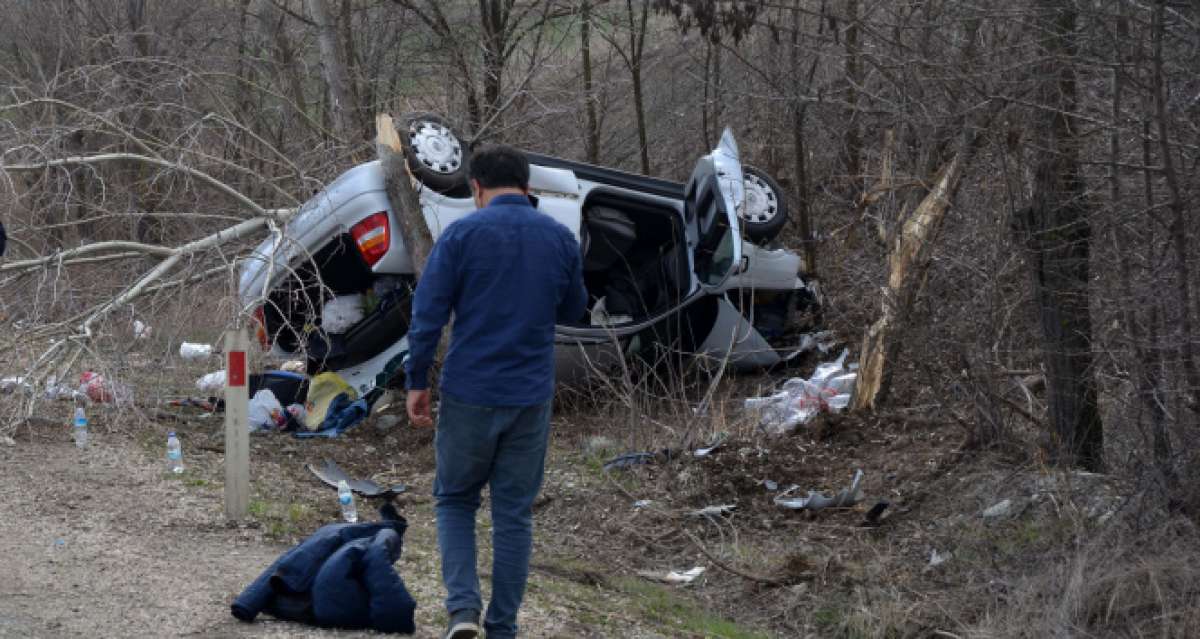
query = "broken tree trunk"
{"x": 908, "y": 261}
{"x": 401, "y": 195}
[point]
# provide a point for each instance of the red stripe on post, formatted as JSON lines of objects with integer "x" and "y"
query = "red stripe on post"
{"x": 237, "y": 368}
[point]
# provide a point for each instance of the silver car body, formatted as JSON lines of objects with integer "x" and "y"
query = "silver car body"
{"x": 562, "y": 192}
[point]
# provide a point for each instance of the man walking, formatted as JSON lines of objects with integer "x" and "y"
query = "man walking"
{"x": 508, "y": 274}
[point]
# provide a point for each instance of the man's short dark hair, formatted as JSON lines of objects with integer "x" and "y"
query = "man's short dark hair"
{"x": 497, "y": 166}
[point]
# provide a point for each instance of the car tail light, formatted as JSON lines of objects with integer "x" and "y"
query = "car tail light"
{"x": 260, "y": 328}
{"x": 371, "y": 235}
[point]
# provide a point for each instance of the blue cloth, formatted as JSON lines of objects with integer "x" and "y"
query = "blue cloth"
{"x": 506, "y": 448}
{"x": 509, "y": 274}
{"x": 341, "y": 416}
{"x": 341, "y": 576}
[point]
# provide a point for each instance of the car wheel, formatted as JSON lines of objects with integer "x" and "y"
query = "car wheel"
{"x": 765, "y": 210}
{"x": 436, "y": 156}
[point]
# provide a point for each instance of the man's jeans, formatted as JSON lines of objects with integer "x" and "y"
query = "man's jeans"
{"x": 506, "y": 447}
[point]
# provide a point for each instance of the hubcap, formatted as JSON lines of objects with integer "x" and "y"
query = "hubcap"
{"x": 762, "y": 203}
{"x": 435, "y": 146}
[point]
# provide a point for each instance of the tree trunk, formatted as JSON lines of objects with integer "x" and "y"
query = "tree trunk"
{"x": 637, "y": 43}
{"x": 1056, "y": 232}
{"x": 401, "y": 196}
{"x": 592, "y": 141}
{"x": 851, "y": 141}
{"x": 1179, "y": 217}
{"x": 799, "y": 110}
{"x": 908, "y": 262}
{"x": 333, "y": 69}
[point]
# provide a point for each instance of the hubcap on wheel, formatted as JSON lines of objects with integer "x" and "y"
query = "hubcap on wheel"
{"x": 435, "y": 146}
{"x": 762, "y": 203}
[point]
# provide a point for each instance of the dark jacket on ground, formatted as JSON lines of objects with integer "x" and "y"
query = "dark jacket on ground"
{"x": 341, "y": 576}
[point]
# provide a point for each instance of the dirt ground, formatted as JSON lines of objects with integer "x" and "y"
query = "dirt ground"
{"x": 104, "y": 542}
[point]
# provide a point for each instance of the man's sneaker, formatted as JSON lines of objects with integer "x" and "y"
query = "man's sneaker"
{"x": 464, "y": 624}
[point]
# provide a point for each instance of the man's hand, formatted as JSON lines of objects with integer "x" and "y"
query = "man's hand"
{"x": 418, "y": 408}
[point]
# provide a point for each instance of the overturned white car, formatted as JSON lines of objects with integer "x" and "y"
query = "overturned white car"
{"x": 665, "y": 264}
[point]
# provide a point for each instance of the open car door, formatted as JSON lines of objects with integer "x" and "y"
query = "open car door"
{"x": 711, "y": 200}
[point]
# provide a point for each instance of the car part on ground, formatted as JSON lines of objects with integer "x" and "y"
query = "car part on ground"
{"x": 848, "y": 496}
{"x": 330, "y": 474}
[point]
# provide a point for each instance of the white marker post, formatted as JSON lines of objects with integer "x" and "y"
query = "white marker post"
{"x": 237, "y": 431}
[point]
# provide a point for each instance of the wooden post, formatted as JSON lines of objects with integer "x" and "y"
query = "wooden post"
{"x": 401, "y": 196}
{"x": 237, "y": 431}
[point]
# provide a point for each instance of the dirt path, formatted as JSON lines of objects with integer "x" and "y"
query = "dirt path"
{"x": 102, "y": 542}
{"x": 98, "y": 544}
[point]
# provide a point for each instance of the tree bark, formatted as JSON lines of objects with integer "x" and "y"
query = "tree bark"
{"x": 908, "y": 262}
{"x": 1179, "y": 216}
{"x": 401, "y": 196}
{"x": 637, "y": 43}
{"x": 592, "y": 141}
{"x": 333, "y": 68}
{"x": 1056, "y": 231}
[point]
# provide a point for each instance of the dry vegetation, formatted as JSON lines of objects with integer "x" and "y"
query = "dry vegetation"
{"x": 159, "y": 124}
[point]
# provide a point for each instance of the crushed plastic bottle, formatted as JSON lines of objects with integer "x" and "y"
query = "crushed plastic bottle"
{"x": 174, "y": 454}
{"x": 346, "y": 499}
{"x": 81, "y": 434}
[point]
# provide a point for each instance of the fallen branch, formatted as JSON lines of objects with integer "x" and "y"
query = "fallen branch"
{"x": 116, "y": 157}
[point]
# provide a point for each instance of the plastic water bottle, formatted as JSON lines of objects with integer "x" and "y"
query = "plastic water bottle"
{"x": 174, "y": 454}
{"x": 81, "y": 438}
{"x": 346, "y": 499}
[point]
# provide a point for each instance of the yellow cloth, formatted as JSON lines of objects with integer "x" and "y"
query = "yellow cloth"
{"x": 321, "y": 392}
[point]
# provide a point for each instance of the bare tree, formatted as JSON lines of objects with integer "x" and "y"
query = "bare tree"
{"x": 1057, "y": 233}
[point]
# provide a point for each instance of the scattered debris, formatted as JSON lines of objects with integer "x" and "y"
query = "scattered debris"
{"x": 213, "y": 382}
{"x": 383, "y": 422}
{"x": 193, "y": 352}
{"x": 874, "y": 517}
{"x": 628, "y": 460}
{"x": 294, "y": 366}
{"x": 202, "y": 404}
{"x": 816, "y": 501}
{"x": 9, "y": 384}
{"x": 141, "y": 330}
{"x": 674, "y": 576}
{"x": 770, "y": 485}
{"x": 822, "y": 342}
{"x": 265, "y": 412}
{"x": 717, "y": 440}
{"x": 342, "y": 312}
{"x": 101, "y": 390}
{"x": 8, "y": 441}
{"x": 998, "y": 510}
{"x": 330, "y": 474}
{"x": 799, "y": 400}
{"x": 642, "y": 503}
{"x": 714, "y": 511}
{"x": 55, "y": 391}
{"x": 937, "y": 559}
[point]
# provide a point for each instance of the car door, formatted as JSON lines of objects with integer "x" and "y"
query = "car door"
{"x": 711, "y": 201}
{"x": 711, "y": 198}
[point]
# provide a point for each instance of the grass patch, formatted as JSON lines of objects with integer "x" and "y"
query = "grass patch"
{"x": 281, "y": 520}
{"x": 679, "y": 616}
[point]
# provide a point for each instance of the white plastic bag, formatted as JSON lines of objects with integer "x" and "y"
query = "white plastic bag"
{"x": 265, "y": 413}
{"x": 342, "y": 312}
{"x": 191, "y": 352}
{"x": 799, "y": 400}
{"x": 213, "y": 382}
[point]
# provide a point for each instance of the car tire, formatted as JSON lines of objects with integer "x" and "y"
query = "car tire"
{"x": 765, "y": 210}
{"x": 436, "y": 155}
